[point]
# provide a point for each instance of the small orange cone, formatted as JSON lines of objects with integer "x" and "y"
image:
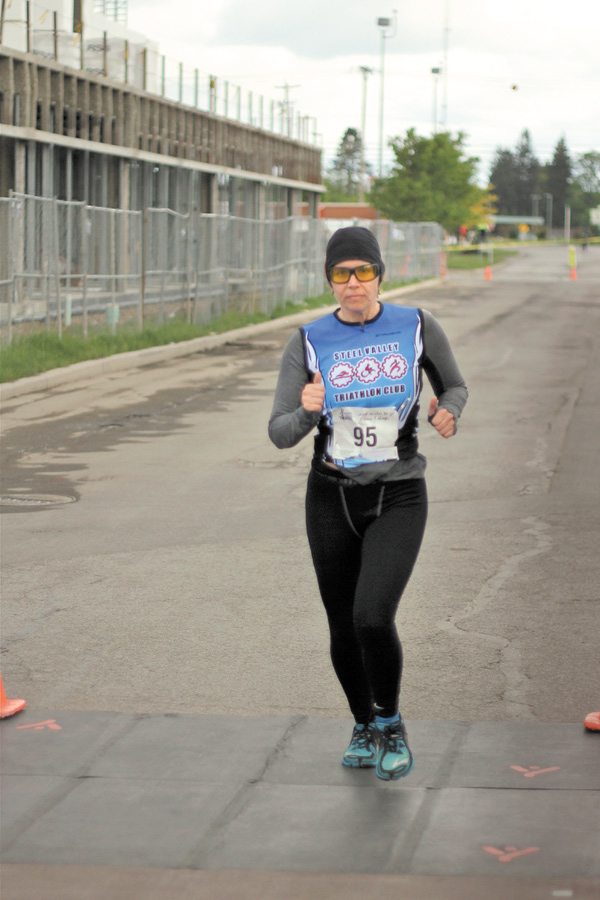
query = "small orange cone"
{"x": 488, "y": 273}
{"x": 573, "y": 273}
{"x": 9, "y": 707}
{"x": 592, "y": 721}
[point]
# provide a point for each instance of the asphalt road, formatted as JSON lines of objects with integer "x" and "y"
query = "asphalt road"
{"x": 177, "y": 577}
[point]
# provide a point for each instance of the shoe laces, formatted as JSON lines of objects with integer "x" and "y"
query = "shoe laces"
{"x": 362, "y": 736}
{"x": 394, "y": 737}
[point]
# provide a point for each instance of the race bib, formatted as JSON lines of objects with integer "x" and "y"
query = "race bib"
{"x": 364, "y": 433}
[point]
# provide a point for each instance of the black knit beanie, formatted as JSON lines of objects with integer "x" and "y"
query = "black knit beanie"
{"x": 354, "y": 242}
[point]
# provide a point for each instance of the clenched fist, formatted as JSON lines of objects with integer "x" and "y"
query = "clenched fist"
{"x": 441, "y": 419}
{"x": 313, "y": 394}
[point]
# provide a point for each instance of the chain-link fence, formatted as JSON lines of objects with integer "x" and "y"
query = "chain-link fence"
{"x": 84, "y": 268}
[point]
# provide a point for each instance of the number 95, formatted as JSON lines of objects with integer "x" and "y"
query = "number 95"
{"x": 367, "y": 436}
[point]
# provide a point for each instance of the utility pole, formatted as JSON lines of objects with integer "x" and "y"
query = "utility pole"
{"x": 361, "y": 184}
{"x": 286, "y": 106}
{"x": 548, "y": 214}
{"x": 384, "y": 23}
{"x": 567, "y": 224}
{"x": 436, "y": 73}
{"x": 445, "y": 65}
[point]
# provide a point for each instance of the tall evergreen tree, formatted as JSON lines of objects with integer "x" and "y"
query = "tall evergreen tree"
{"x": 344, "y": 173}
{"x": 516, "y": 178}
{"x": 504, "y": 182}
{"x": 558, "y": 181}
{"x": 527, "y": 172}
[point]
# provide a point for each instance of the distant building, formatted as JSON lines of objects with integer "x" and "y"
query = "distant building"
{"x": 339, "y": 215}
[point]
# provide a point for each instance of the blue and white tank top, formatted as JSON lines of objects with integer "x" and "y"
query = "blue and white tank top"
{"x": 372, "y": 378}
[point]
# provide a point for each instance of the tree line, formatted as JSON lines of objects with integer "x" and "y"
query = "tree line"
{"x": 433, "y": 179}
{"x": 524, "y": 186}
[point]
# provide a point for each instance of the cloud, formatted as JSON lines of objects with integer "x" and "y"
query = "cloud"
{"x": 323, "y": 29}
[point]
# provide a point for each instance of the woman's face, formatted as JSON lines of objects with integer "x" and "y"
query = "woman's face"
{"x": 357, "y": 299}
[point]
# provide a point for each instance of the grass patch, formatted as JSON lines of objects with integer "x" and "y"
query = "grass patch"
{"x": 40, "y": 352}
{"x": 473, "y": 259}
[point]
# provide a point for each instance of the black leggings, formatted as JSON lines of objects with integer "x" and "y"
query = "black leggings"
{"x": 364, "y": 542}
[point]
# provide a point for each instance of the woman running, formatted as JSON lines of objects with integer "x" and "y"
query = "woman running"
{"x": 356, "y": 375}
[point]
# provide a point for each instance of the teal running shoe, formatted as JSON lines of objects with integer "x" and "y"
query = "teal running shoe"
{"x": 362, "y": 750}
{"x": 394, "y": 759}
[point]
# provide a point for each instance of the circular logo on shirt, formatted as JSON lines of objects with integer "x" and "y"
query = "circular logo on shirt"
{"x": 341, "y": 375}
{"x": 395, "y": 366}
{"x": 368, "y": 370}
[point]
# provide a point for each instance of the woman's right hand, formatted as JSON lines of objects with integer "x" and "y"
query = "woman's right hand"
{"x": 313, "y": 394}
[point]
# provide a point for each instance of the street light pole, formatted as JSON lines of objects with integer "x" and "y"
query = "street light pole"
{"x": 384, "y": 23}
{"x": 361, "y": 184}
{"x": 435, "y": 72}
{"x": 548, "y": 214}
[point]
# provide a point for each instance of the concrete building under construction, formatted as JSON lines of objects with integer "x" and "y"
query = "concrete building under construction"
{"x": 84, "y": 116}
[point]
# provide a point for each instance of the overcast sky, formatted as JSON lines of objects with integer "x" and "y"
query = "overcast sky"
{"x": 511, "y": 64}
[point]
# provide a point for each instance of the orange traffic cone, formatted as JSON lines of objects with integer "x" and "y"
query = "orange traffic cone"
{"x": 573, "y": 273}
{"x": 9, "y": 707}
{"x": 488, "y": 273}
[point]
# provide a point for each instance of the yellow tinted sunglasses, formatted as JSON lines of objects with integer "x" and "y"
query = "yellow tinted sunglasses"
{"x": 342, "y": 274}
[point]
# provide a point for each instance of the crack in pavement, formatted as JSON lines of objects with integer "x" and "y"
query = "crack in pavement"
{"x": 510, "y": 655}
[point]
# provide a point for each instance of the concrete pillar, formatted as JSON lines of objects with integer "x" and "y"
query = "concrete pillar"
{"x": 130, "y": 110}
{"x": 47, "y": 153}
{"x": 102, "y": 162}
{"x": 213, "y": 194}
{"x": 124, "y": 183}
{"x": 83, "y": 108}
{"x": 107, "y": 112}
{"x": 95, "y": 110}
{"x": 43, "y": 97}
{"x": 7, "y": 82}
{"x": 20, "y": 164}
{"x": 261, "y": 201}
{"x": 29, "y": 104}
{"x": 70, "y": 103}
{"x": 86, "y": 178}
{"x": 31, "y": 167}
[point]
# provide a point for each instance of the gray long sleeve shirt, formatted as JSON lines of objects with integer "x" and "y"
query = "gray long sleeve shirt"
{"x": 290, "y": 422}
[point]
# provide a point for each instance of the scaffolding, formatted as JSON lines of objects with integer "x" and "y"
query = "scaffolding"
{"x": 112, "y": 9}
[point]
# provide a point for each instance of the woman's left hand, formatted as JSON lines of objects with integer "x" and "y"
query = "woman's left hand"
{"x": 441, "y": 419}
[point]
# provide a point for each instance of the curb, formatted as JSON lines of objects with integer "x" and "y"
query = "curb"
{"x": 135, "y": 358}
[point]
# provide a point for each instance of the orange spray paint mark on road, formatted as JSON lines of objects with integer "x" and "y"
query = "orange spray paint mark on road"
{"x": 532, "y": 771}
{"x": 507, "y": 854}
{"x": 38, "y": 726}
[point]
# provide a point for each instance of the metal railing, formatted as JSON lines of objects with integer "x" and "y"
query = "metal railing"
{"x": 35, "y": 28}
{"x": 64, "y": 264}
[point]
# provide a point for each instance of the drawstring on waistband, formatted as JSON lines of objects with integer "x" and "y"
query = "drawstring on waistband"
{"x": 347, "y": 511}
{"x": 347, "y": 514}
{"x": 380, "y": 503}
